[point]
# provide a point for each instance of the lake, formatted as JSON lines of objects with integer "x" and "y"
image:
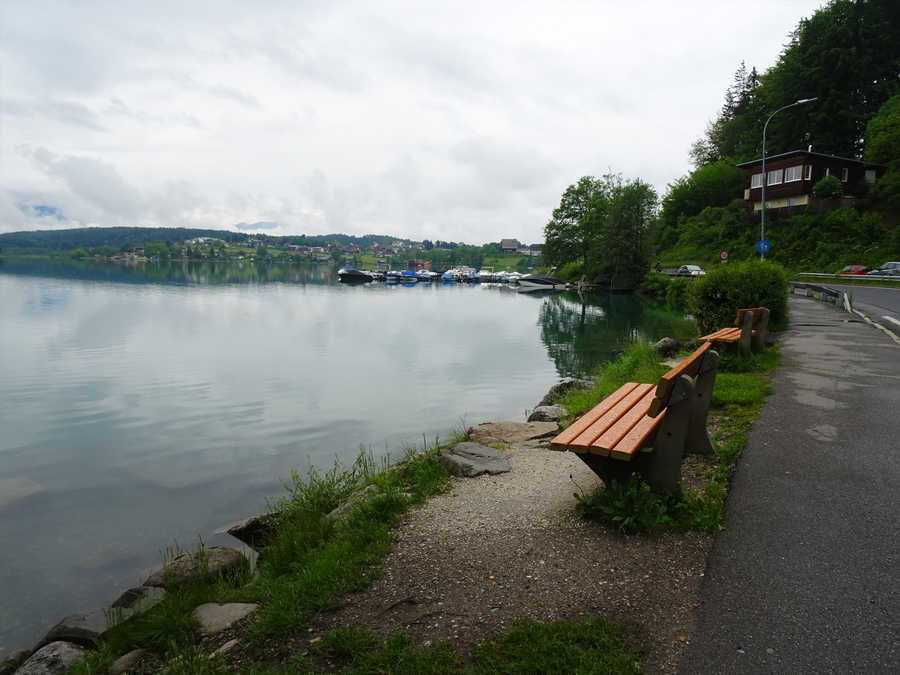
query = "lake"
{"x": 145, "y": 407}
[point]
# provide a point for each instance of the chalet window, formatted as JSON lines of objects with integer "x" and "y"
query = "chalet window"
{"x": 793, "y": 173}
{"x": 775, "y": 177}
{"x": 870, "y": 175}
{"x": 756, "y": 180}
{"x": 845, "y": 174}
{"x": 807, "y": 174}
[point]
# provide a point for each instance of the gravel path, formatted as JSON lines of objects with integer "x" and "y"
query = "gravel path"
{"x": 498, "y": 548}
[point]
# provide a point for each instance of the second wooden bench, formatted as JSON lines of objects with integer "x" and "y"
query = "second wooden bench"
{"x": 751, "y": 328}
{"x": 645, "y": 429}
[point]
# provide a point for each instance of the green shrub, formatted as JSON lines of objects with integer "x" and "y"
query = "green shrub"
{"x": 655, "y": 285}
{"x": 676, "y": 293}
{"x": 827, "y": 188}
{"x": 571, "y": 271}
{"x": 715, "y": 298}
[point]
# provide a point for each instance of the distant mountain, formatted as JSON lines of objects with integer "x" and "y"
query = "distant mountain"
{"x": 36, "y": 241}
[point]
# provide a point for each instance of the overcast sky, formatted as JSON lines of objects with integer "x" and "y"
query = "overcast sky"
{"x": 461, "y": 121}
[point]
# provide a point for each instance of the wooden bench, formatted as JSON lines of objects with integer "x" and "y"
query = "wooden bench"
{"x": 751, "y": 328}
{"x": 646, "y": 429}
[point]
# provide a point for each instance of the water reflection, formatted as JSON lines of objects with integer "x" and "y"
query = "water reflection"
{"x": 580, "y": 331}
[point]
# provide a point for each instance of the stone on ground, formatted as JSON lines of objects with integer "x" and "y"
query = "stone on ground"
{"x": 565, "y": 385}
{"x": 547, "y": 413}
{"x": 492, "y": 433}
{"x": 13, "y": 660}
{"x": 254, "y": 530}
{"x": 214, "y": 618}
{"x": 354, "y": 499}
{"x": 225, "y": 648}
{"x": 666, "y": 347}
{"x": 209, "y": 561}
{"x": 81, "y": 629}
{"x": 472, "y": 459}
{"x": 57, "y": 657}
{"x": 127, "y": 662}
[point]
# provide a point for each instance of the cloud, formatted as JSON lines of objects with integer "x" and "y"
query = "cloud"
{"x": 460, "y": 121}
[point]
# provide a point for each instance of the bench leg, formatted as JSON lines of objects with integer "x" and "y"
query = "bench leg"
{"x": 746, "y": 334}
{"x": 758, "y": 341}
{"x": 697, "y": 439}
{"x": 663, "y": 465}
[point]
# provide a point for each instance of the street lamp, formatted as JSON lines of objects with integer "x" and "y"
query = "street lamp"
{"x": 762, "y": 209}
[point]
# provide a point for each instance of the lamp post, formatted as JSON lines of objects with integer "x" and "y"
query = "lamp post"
{"x": 762, "y": 208}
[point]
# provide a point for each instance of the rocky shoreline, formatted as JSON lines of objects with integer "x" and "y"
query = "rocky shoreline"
{"x": 70, "y": 640}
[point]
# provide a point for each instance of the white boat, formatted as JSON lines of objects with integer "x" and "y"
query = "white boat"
{"x": 541, "y": 281}
{"x": 348, "y": 275}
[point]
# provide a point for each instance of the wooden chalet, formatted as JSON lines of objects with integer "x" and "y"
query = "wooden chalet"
{"x": 791, "y": 176}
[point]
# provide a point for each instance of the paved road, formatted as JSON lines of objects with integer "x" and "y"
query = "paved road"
{"x": 880, "y": 304}
{"x": 805, "y": 578}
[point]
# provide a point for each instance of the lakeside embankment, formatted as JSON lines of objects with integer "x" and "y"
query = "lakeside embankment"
{"x": 309, "y": 563}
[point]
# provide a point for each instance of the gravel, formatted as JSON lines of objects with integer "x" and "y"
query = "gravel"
{"x": 494, "y": 549}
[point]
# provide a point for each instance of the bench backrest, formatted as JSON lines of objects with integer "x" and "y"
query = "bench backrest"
{"x": 666, "y": 385}
{"x": 758, "y": 314}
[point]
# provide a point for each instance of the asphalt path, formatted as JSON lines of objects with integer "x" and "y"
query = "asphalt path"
{"x": 880, "y": 304}
{"x": 805, "y": 577}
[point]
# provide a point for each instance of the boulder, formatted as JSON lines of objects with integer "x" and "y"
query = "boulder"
{"x": 666, "y": 347}
{"x": 214, "y": 618}
{"x": 547, "y": 413}
{"x": 253, "y": 531}
{"x": 13, "y": 660}
{"x": 354, "y": 499}
{"x": 134, "y": 601}
{"x": 472, "y": 459}
{"x": 127, "y": 662}
{"x": 56, "y": 657}
{"x": 492, "y": 433}
{"x": 560, "y": 389}
{"x": 80, "y": 629}
{"x": 208, "y": 562}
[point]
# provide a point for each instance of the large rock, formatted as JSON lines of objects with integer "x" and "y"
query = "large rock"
{"x": 214, "y": 618}
{"x": 547, "y": 413}
{"x": 13, "y": 660}
{"x": 253, "y": 531}
{"x": 557, "y": 391}
{"x": 135, "y": 600}
{"x": 80, "y": 629}
{"x": 57, "y": 657}
{"x": 666, "y": 347}
{"x": 472, "y": 459}
{"x": 206, "y": 562}
{"x": 492, "y": 433}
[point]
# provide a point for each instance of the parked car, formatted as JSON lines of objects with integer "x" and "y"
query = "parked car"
{"x": 690, "y": 271}
{"x": 855, "y": 269}
{"x": 888, "y": 269}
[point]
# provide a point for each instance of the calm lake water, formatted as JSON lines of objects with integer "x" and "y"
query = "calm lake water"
{"x": 144, "y": 408}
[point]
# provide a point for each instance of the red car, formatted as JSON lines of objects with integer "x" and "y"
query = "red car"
{"x": 855, "y": 269}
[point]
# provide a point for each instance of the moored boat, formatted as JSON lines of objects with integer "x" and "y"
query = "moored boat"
{"x": 348, "y": 275}
{"x": 541, "y": 281}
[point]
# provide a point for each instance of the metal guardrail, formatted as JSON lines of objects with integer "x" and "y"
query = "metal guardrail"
{"x": 850, "y": 277}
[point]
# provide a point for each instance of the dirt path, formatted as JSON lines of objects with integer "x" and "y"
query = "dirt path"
{"x": 498, "y": 548}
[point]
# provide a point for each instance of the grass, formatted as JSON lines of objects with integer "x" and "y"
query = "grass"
{"x": 587, "y": 646}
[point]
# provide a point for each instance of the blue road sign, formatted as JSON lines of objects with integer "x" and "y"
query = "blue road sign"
{"x": 763, "y": 246}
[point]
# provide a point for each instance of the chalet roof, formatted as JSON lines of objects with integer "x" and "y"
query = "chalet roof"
{"x": 807, "y": 153}
{"x": 509, "y": 243}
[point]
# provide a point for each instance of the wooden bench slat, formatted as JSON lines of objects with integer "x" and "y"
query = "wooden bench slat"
{"x": 607, "y": 441}
{"x": 562, "y": 440}
{"x": 583, "y": 441}
{"x": 723, "y": 335}
{"x": 637, "y": 437}
{"x": 689, "y": 366}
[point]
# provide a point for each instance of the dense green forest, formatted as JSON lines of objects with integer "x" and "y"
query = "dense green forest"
{"x": 847, "y": 56}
